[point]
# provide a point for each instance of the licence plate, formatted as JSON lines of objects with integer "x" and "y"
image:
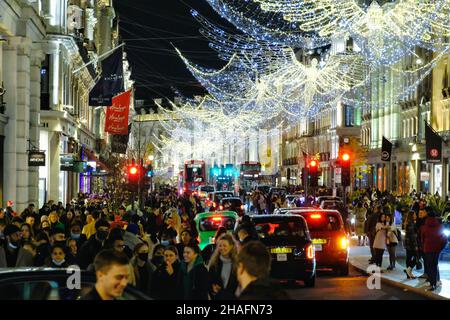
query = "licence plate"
{"x": 318, "y": 247}
{"x": 281, "y": 250}
{"x": 281, "y": 257}
{"x": 319, "y": 241}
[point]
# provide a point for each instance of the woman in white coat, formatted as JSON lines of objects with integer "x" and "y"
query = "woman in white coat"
{"x": 379, "y": 243}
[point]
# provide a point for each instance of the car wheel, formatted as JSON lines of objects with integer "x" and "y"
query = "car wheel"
{"x": 311, "y": 282}
{"x": 343, "y": 270}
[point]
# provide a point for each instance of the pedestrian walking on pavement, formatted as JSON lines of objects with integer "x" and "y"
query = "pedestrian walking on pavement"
{"x": 423, "y": 215}
{"x": 371, "y": 230}
{"x": 434, "y": 241}
{"x": 410, "y": 243}
{"x": 392, "y": 239}
{"x": 143, "y": 268}
{"x": 360, "y": 213}
{"x": 253, "y": 270}
{"x": 379, "y": 244}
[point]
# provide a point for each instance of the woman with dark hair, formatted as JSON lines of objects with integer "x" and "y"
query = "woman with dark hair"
{"x": 222, "y": 269}
{"x": 158, "y": 255}
{"x": 27, "y": 233}
{"x": 58, "y": 257}
{"x": 164, "y": 280}
{"x": 143, "y": 268}
{"x": 392, "y": 240}
{"x": 193, "y": 278}
{"x": 410, "y": 243}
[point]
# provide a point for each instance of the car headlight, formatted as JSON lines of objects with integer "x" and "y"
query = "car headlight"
{"x": 447, "y": 232}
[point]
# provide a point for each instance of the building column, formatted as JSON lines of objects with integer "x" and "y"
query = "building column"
{"x": 54, "y": 166}
{"x": 35, "y": 101}
{"x": 23, "y": 122}
{"x": 10, "y": 98}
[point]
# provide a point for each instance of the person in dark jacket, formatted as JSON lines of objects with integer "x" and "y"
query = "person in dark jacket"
{"x": 143, "y": 268}
{"x": 58, "y": 257}
{"x": 222, "y": 269}
{"x": 434, "y": 241}
{"x": 371, "y": 230}
{"x": 410, "y": 243}
{"x": 193, "y": 276}
{"x": 94, "y": 245}
{"x": 420, "y": 222}
{"x": 164, "y": 280}
{"x": 253, "y": 270}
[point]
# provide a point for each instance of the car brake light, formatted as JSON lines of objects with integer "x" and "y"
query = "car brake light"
{"x": 310, "y": 252}
{"x": 242, "y": 207}
{"x": 344, "y": 243}
{"x": 220, "y": 208}
{"x": 217, "y": 218}
{"x": 214, "y": 205}
{"x": 316, "y": 216}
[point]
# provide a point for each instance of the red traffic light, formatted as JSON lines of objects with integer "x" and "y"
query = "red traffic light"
{"x": 346, "y": 157}
{"x": 133, "y": 170}
{"x": 313, "y": 163}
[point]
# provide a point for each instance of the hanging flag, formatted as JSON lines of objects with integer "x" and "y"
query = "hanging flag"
{"x": 119, "y": 142}
{"x": 117, "y": 115}
{"x": 386, "y": 150}
{"x": 110, "y": 82}
{"x": 433, "y": 145}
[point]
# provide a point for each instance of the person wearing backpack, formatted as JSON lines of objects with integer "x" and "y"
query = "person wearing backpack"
{"x": 392, "y": 239}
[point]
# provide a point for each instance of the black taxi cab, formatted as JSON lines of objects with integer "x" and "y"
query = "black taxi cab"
{"x": 287, "y": 238}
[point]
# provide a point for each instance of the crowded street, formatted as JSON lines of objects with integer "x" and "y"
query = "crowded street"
{"x": 224, "y": 151}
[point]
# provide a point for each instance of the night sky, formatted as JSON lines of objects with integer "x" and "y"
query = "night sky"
{"x": 149, "y": 28}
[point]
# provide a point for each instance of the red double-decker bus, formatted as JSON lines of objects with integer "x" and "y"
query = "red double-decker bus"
{"x": 194, "y": 175}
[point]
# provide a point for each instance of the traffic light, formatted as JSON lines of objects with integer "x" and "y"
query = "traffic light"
{"x": 133, "y": 174}
{"x": 150, "y": 170}
{"x": 345, "y": 165}
{"x": 313, "y": 173}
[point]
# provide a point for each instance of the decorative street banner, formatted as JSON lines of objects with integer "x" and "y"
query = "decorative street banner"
{"x": 386, "y": 150}
{"x": 36, "y": 158}
{"x": 117, "y": 115}
{"x": 433, "y": 145}
{"x": 119, "y": 142}
{"x": 110, "y": 82}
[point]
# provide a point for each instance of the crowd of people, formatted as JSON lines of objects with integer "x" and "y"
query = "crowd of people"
{"x": 423, "y": 227}
{"x": 158, "y": 246}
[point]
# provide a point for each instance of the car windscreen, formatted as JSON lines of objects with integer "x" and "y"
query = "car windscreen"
{"x": 322, "y": 221}
{"x": 207, "y": 189}
{"x": 220, "y": 196}
{"x": 231, "y": 202}
{"x": 213, "y": 223}
{"x": 280, "y": 228}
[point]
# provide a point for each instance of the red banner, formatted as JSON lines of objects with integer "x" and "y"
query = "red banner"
{"x": 117, "y": 115}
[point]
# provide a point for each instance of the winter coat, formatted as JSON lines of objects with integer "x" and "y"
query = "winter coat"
{"x": 165, "y": 286}
{"x": 360, "y": 218}
{"x": 24, "y": 258}
{"x": 432, "y": 236}
{"x": 194, "y": 284}
{"x": 371, "y": 224}
{"x": 410, "y": 242}
{"x": 263, "y": 289}
{"x": 88, "y": 251}
{"x": 143, "y": 285}
{"x": 380, "y": 237}
{"x": 228, "y": 292}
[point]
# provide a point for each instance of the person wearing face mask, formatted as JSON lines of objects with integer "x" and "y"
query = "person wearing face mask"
{"x": 143, "y": 268}
{"x": 158, "y": 255}
{"x": 57, "y": 236}
{"x": 94, "y": 245}
{"x": 75, "y": 233}
{"x": 58, "y": 257}
{"x": 164, "y": 280}
{"x": 11, "y": 253}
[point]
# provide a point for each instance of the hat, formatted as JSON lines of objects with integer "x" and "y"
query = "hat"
{"x": 133, "y": 228}
{"x": 10, "y": 229}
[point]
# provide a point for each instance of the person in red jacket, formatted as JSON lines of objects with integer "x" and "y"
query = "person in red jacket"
{"x": 433, "y": 242}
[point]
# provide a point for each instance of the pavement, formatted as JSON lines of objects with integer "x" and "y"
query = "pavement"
{"x": 359, "y": 259}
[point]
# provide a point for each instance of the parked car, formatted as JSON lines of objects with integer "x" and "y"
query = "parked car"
{"x": 51, "y": 284}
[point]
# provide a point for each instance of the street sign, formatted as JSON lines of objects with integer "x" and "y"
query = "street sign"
{"x": 338, "y": 175}
{"x": 36, "y": 159}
